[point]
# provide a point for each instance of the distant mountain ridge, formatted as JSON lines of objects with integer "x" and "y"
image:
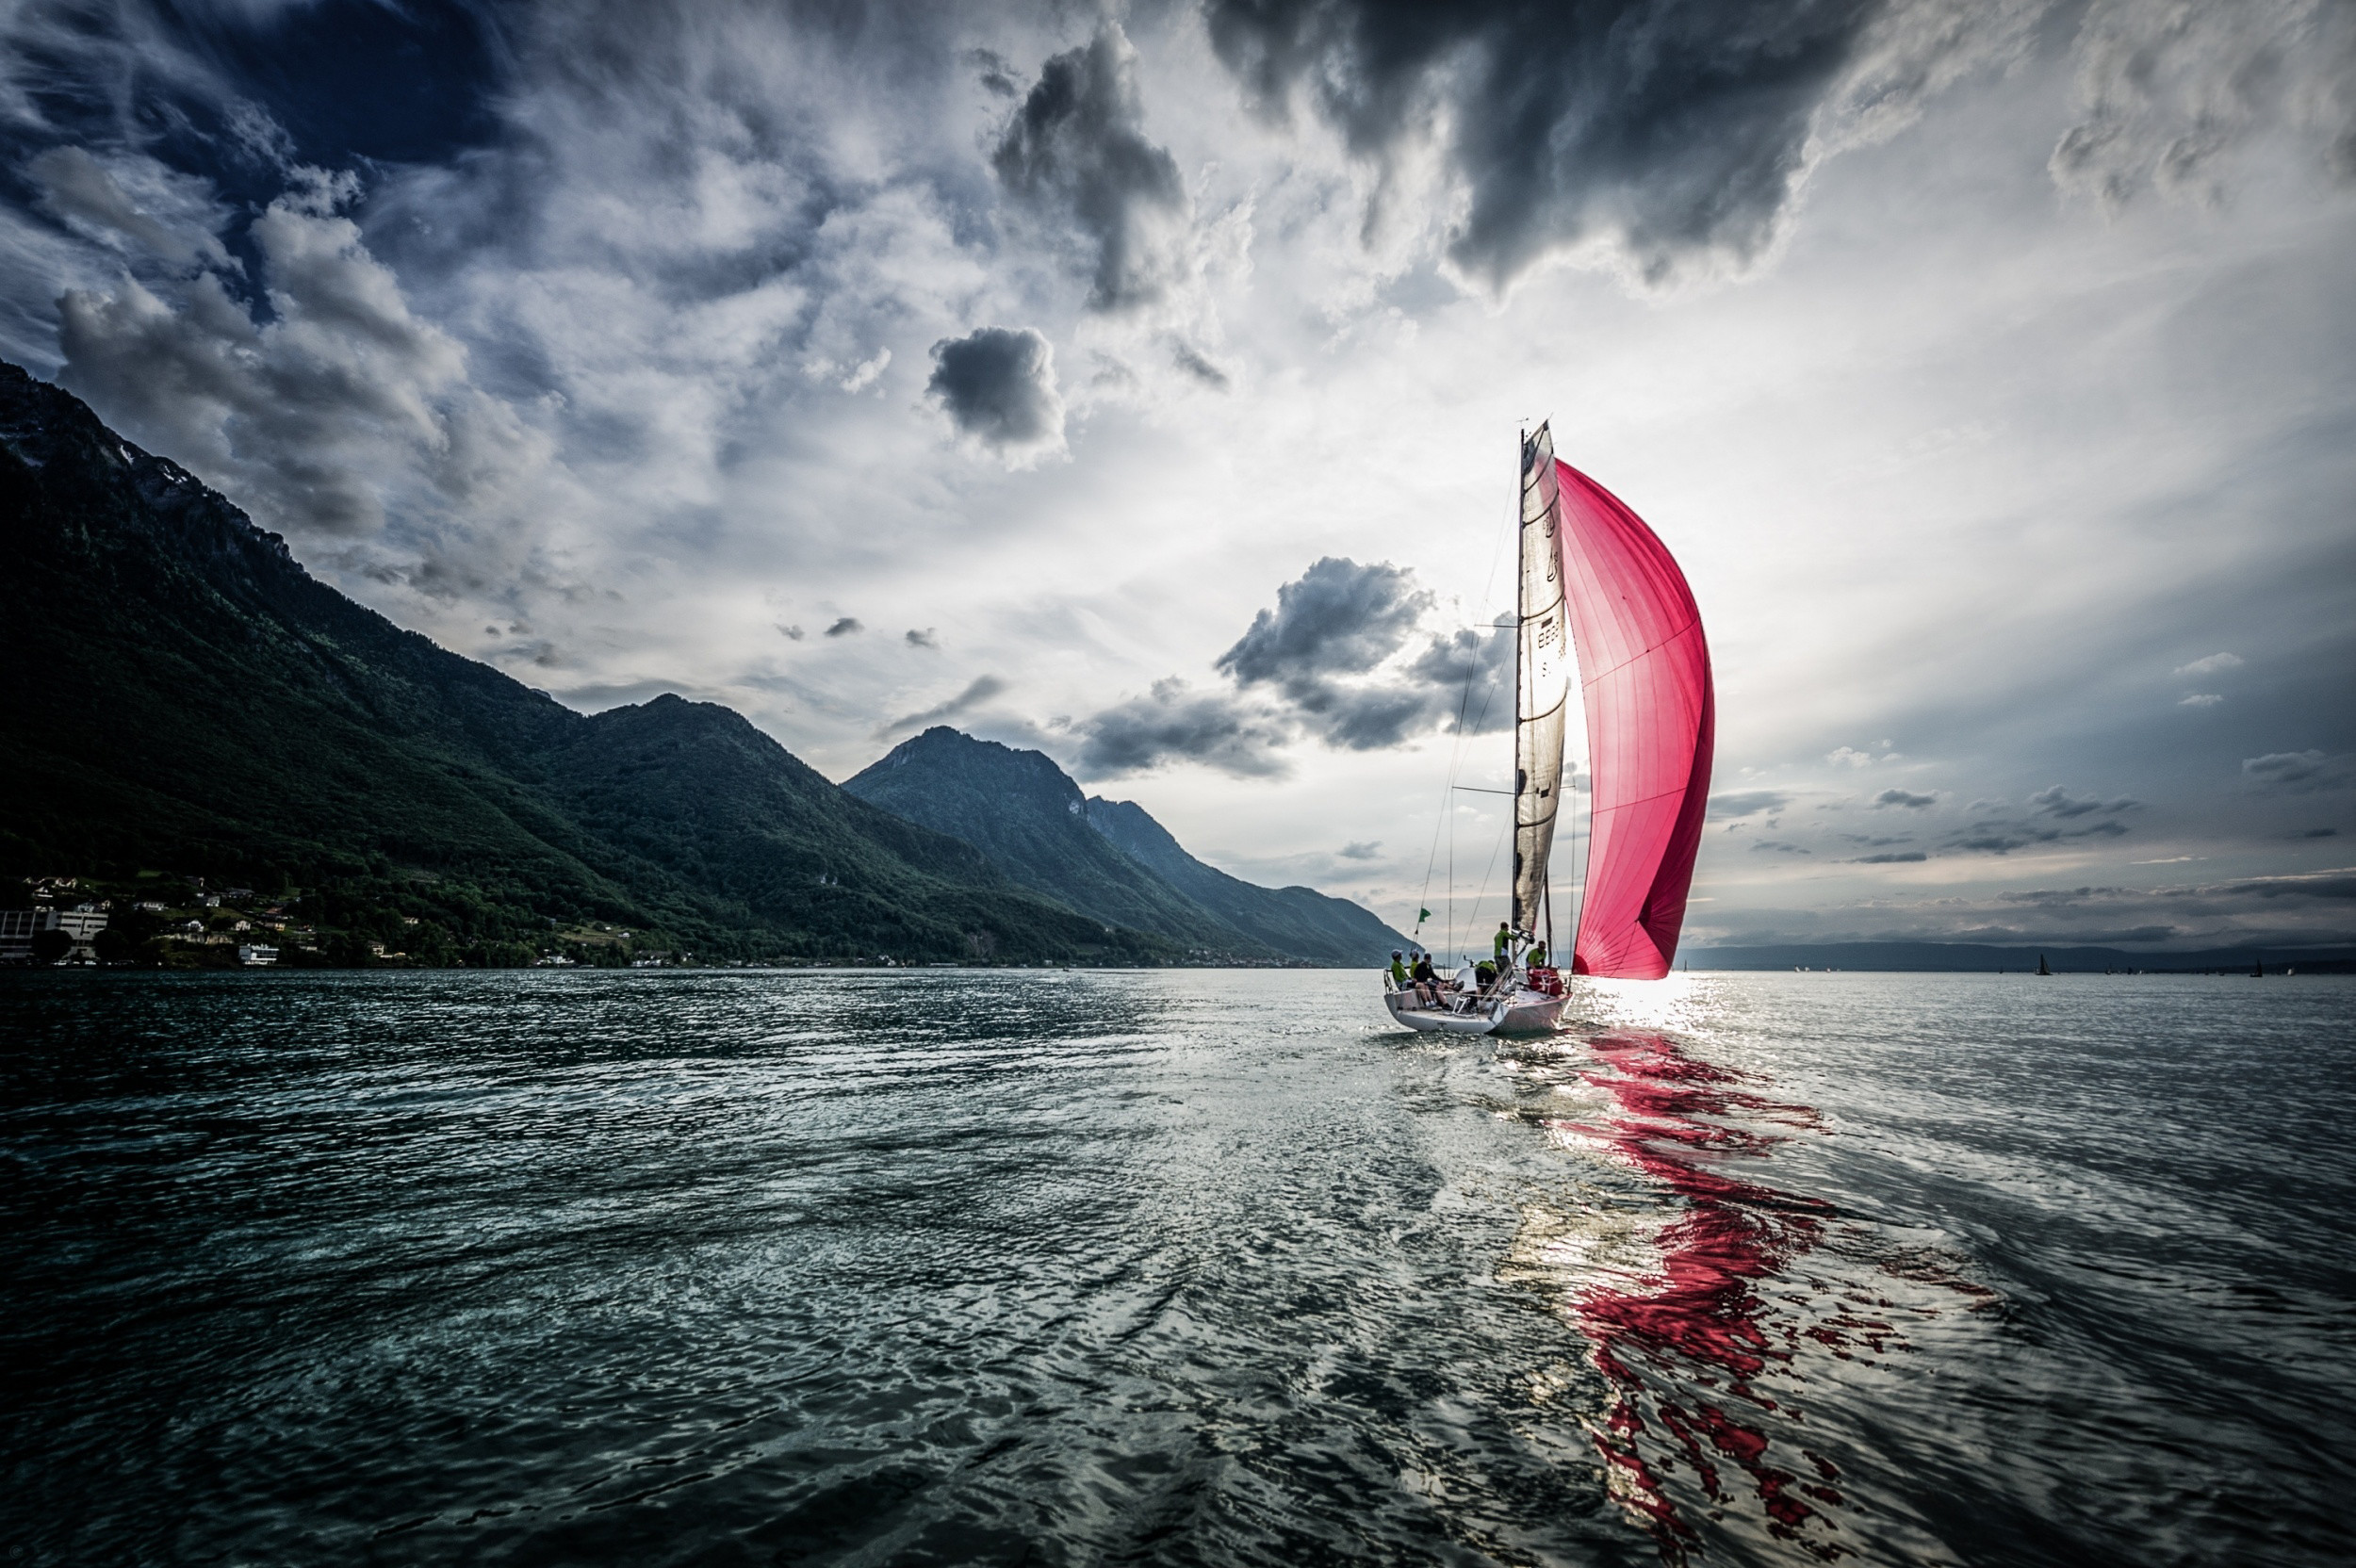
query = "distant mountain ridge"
{"x": 1296, "y": 920}
{"x": 1973, "y": 958}
{"x": 190, "y": 700}
{"x": 1019, "y": 809}
{"x": 1109, "y": 858}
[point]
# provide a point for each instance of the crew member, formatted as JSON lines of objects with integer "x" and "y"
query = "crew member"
{"x": 1399, "y": 968}
{"x": 1537, "y": 958}
{"x": 1504, "y": 943}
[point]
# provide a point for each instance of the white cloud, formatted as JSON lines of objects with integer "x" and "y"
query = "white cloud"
{"x": 2209, "y": 666}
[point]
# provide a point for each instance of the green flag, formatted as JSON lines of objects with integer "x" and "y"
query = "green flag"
{"x": 1422, "y": 915}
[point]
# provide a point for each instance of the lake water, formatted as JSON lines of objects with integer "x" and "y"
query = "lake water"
{"x": 1173, "y": 1267}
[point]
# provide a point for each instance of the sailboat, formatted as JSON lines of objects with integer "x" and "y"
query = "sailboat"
{"x": 1598, "y": 588}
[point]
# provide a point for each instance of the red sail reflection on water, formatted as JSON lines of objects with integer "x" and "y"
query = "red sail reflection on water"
{"x": 1683, "y": 1349}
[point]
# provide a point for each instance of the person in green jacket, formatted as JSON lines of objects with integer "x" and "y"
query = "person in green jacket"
{"x": 1537, "y": 958}
{"x": 1504, "y": 943}
{"x": 1399, "y": 968}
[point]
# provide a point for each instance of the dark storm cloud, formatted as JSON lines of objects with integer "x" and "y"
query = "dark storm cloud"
{"x": 1332, "y": 628}
{"x": 1175, "y": 724}
{"x": 1326, "y": 663}
{"x": 1337, "y": 618}
{"x": 1469, "y": 677}
{"x": 1077, "y": 153}
{"x": 981, "y": 690}
{"x": 845, "y": 626}
{"x": 1673, "y": 127}
{"x": 1902, "y": 797}
{"x": 1903, "y": 858}
{"x": 921, "y": 638}
{"x": 998, "y": 385}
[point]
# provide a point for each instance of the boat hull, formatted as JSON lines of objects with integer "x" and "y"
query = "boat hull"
{"x": 1526, "y": 1012}
{"x": 1532, "y": 1013}
{"x": 1440, "y": 1020}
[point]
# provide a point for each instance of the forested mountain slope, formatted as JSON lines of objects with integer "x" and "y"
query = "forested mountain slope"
{"x": 186, "y": 697}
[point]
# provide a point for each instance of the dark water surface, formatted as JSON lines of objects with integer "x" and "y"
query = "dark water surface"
{"x": 1183, "y": 1267}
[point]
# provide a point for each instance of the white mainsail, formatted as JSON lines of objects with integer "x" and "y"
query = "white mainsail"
{"x": 1542, "y": 686}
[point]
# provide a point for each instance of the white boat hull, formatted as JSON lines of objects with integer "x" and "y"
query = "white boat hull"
{"x": 1441, "y": 1020}
{"x": 1524, "y": 1012}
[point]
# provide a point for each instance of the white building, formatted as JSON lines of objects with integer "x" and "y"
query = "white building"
{"x": 17, "y": 927}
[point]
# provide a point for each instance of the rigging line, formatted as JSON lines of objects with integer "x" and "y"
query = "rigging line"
{"x": 1503, "y": 834}
{"x": 1463, "y": 700}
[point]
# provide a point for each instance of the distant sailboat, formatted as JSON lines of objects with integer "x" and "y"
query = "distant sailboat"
{"x": 1596, "y": 585}
{"x": 2257, "y": 969}
{"x": 2040, "y": 965}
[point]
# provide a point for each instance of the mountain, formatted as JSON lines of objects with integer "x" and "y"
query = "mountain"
{"x": 187, "y": 699}
{"x": 1971, "y": 957}
{"x": 1022, "y": 810}
{"x": 1108, "y": 859}
{"x": 1300, "y": 922}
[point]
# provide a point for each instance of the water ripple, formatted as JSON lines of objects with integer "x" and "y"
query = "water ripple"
{"x": 1170, "y": 1267}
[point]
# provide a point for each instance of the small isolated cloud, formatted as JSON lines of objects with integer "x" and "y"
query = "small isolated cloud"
{"x": 1365, "y": 849}
{"x": 1903, "y": 858}
{"x": 847, "y": 626}
{"x": 1337, "y": 618}
{"x": 998, "y": 386}
{"x": 2209, "y": 665}
{"x": 1335, "y": 660}
{"x": 1202, "y": 369}
{"x": 981, "y": 690}
{"x": 1748, "y": 803}
{"x": 1849, "y": 757}
{"x": 1780, "y": 848}
{"x": 793, "y": 633}
{"x": 2294, "y": 770}
{"x": 1173, "y": 722}
{"x": 1330, "y": 627}
{"x": 2201, "y": 700}
{"x": 2059, "y": 802}
{"x": 924, "y": 639}
{"x": 1906, "y": 798}
{"x": 2049, "y": 808}
{"x": 2317, "y": 833}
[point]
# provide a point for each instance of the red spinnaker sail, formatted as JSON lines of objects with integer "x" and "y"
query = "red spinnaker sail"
{"x": 1644, "y": 672}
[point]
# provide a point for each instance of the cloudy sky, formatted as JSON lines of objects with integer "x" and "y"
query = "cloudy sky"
{"x": 1142, "y": 382}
